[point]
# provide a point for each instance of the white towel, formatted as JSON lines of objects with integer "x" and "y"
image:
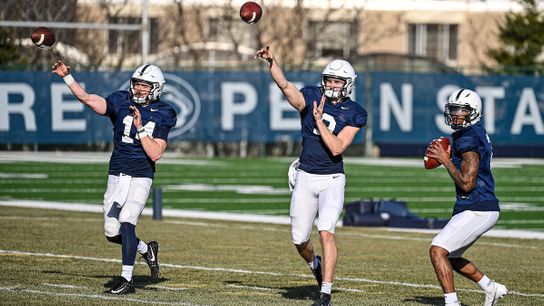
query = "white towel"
{"x": 292, "y": 174}
{"x": 121, "y": 191}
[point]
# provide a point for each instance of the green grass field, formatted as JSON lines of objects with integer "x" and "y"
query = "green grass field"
{"x": 51, "y": 257}
{"x": 259, "y": 186}
{"x": 61, "y": 258}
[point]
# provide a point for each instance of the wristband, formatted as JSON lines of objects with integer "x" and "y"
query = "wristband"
{"x": 142, "y": 133}
{"x": 68, "y": 79}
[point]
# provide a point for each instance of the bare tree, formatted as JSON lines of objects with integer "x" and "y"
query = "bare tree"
{"x": 111, "y": 10}
{"x": 185, "y": 20}
{"x": 47, "y": 10}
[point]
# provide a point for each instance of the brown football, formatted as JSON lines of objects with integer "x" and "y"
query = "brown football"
{"x": 429, "y": 162}
{"x": 251, "y": 12}
{"x": 43, "y": 37}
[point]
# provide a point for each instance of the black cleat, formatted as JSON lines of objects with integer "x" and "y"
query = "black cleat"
{"x": 152, "y": 259}
{"x": 122, "y": 286}
{"x": 324, "y": 300}
{"x": 318, "y": 273}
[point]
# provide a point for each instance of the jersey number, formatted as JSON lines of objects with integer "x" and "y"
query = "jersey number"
{"x": 127, "y": 121}
{"x": 329, "y": 122}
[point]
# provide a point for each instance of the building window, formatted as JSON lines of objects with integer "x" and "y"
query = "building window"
{"x": 130, "y": 42}
{"x": 332, "y": 39}
{"x": 214, "y": 29}
{"x": 437, "y": 41}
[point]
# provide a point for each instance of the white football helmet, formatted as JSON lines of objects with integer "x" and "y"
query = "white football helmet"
{"x": 463, "y": 100}
{"x": 152, "y": 75}
{"x": 338, "y": 69}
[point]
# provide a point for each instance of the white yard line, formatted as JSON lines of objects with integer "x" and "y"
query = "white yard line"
{"x": 262, "y": 189}
{"x": 521, "y": 221}
{"x": 63, "y": 286}
{"x": 250, "y": 287}
{"x": 93, "y": 158}
{"x": 418, "y": 163}
{"x": 90, "y": 296}
{"x": 348, "y": 289}
{"x": 4, "y": 175}
{"x": 174, "y": 158}
{"x": 404, "y": 238}
{"x": 238, "y": 217}
{"x": 242, "y": 271}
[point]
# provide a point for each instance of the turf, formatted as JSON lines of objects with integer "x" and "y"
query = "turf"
{"x": 223, "y": 185}
{"x": 61, "y": 258}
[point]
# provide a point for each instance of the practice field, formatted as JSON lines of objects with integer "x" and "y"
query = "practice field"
{"x": 54, "y": 257}
{"x": 259, "y": 186}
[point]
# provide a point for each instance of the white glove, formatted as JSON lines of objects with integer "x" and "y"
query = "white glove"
{"x": 292, "y": 174}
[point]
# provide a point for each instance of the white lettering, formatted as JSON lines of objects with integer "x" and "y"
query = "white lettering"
{"x": 23, "y": 108}
{"x": 279, "y": 106}
{"x": 390, "y": 104}
{"x": 229, "y": 108}
{"x": 60, "y": 106}
{"x": 527, "y": 101}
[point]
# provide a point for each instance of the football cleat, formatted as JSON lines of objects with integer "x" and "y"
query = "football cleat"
{"x": 492, "y": 298}
{"x": 324, "y": 300}
{"x": 318, "y": 273}
{"x": 152, "y": 259}
{"x": 122, "y": 286}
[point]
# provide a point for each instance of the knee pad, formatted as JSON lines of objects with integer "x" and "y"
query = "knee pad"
{"x": 131, "y": 212}
{"x": 111, "y": 228}
{"x": 299, "y": 238}
{"x": 301, "y": 230}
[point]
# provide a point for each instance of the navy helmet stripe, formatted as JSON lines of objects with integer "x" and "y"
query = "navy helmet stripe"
{"x": 143, "y": 69}
{"x": 459, "y": 94}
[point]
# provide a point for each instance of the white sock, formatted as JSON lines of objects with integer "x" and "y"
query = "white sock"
{"x": 326, "y": 288}
{"x": 486, "y": 284}
{"x": 142, "y": 247}
{"x": 450, "y": 298}
{"x": 313, "y": 263}
{"x": 126, "y": 272}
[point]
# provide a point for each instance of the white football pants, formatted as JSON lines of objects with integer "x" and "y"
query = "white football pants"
{"x": 323, "y": 193}
{"x": 463, "y": 230}
{"x": 138, "y": 191}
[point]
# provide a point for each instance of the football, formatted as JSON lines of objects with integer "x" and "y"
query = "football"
{"x": 251, "y": 12}
{"x": 43, "y": 37}
{"x": 429, "y": 162}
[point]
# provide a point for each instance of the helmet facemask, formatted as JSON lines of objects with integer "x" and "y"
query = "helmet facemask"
{"x": 463, "y": 109}
{"x": 336, "y": 93}
{"x": 151, "y": 75}
{"x": 340, "y": 70}
{"x": 454, "y": 111}
{"x": 151, "y": 96}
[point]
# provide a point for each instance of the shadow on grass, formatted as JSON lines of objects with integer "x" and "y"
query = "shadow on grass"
{"x": 140, "y": 281}
{"x": 310, "y": 292}
{"x": 429, "y": 300}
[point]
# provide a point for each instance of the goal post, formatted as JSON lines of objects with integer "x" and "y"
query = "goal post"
{"x": 143, "y": 27}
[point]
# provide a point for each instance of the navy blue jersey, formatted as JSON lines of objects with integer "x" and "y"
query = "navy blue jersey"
{"x": 482, "y": 197}
{"x": 316, "y": 157}
{"x": 128, "y": 154}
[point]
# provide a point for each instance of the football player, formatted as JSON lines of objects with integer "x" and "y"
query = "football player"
{"x": 330, "y": 120}
{"x": 476, "y": 208}
{"x": 141, "y": 123}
